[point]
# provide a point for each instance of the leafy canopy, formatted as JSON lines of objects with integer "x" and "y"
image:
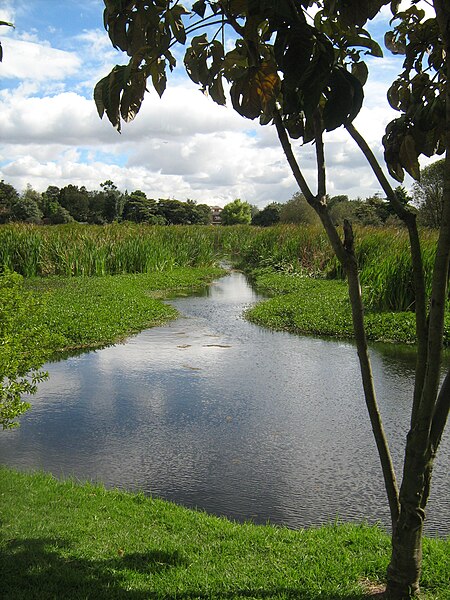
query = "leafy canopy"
{"x": 282, "y": 62}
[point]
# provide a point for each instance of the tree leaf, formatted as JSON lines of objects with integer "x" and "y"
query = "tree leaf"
{"x": 199, "y": 8}
{"x": 408, "y": 157}
{"x": 133, "y": 95}
{"x": 216, "y": 91}
{"x": 344, "y": 99}
{"x": 360, "y": 71}
{"x": 394, "y": 44}
{"x": 256, "y": 92}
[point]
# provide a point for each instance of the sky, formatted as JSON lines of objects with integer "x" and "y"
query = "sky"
{"x": 181, "y": 146}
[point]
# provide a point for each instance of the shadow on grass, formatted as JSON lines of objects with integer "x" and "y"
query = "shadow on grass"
{"x": 36, "y": 569}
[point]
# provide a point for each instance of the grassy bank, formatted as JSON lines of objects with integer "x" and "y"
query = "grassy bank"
{"x": 79, "y": 541}
{"x": 96, "y": 311}
{"x": 321, "y": 307}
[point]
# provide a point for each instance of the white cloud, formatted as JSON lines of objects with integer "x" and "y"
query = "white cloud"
{"x": 182, "y": 145}
{"x": 36, "y": 61}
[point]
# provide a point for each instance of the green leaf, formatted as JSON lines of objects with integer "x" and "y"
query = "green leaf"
{"x": 408, "y": 157}
{"x": 344, "y": 99}
{"x": 132, "y": 96}
{"x": 199, "y": 8}
{"x": 216, "y": 91}
{"x": 99, "y": 93}
{"x": 392, "y": 43}
{"x": 360, "y": 71}
{"x": 256, "y": 92}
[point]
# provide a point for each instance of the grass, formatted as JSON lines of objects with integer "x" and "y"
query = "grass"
{"x": 321, "y": 307}
{"x": 97, "y": 311}
{"x": 77, "y": 249}
{"x": 80, "y": 541}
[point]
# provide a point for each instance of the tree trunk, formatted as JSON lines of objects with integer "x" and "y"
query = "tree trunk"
{"x": 430, "y": 416}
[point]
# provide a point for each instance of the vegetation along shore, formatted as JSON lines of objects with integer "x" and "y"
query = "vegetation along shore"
{"x": 86, "y": 286}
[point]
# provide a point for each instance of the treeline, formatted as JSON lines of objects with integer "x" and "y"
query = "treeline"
{"x": 72, "y": 203}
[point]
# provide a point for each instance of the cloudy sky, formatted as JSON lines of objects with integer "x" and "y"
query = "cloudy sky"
{"x": 181, "y": 146}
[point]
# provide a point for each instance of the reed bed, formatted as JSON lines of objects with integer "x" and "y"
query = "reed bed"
{"x": 75, "y": 249}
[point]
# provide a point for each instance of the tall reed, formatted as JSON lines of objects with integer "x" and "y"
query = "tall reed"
{"x": 75, "y": 249}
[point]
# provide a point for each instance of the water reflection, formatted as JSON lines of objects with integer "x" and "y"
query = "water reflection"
{"x": 214, "y": 412}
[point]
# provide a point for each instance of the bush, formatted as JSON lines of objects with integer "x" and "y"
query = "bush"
{"x": 24, "y": 347}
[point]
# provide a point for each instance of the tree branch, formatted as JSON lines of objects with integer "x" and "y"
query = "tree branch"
{"x": 441, "y": 411}
{"x": 320, "y": 156}
{"x": 420, "y": 308}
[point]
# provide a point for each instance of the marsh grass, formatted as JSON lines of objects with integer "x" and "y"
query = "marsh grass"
{"x": 86, "y": 312}
{"x": 321, "y": 307}
{"x": 65, "y": 540}
{"x": 75, "y": 249}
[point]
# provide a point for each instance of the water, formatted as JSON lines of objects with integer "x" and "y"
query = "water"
{"x": 213, "y": 412}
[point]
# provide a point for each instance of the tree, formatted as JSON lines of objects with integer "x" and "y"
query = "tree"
{"x": 269, "y": 215}
{"x": 236, "y": 213}
{"x": 140, "y": 209}
{"x": 52, "y": 211}
{"x": 26, "y": 207}
{"x": 298, "y": 211}
{"x": 113, "y": 201}
{"x": 76, "y": 201}
{"x": 24, "y": 349}
{"x": 198, "y": 214}
{"x": 306, "y": 79}
{"x": 428, "y": 194}
{"x": 174, "y": 211}
{"x": 8, "y": 196}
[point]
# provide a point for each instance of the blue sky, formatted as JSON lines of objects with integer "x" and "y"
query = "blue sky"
{"x": 181, "y": 146}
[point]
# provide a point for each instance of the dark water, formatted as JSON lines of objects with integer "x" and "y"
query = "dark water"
{"x": 214, "y": 412}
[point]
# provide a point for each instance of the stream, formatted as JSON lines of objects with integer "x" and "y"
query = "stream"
{"x": 213, "y": 412}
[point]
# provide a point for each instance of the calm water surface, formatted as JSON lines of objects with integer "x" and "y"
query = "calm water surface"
{"x": 213, "y": 412}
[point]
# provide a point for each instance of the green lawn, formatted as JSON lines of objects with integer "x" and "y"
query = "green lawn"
{"x": 62, "y": 540}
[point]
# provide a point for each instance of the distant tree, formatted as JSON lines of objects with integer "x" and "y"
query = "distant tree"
{"x": 236, "y": 213}
{"x": 8, "y": 195}
{"x": 298, "y": 211}
{"x": 335, "y": 200}
{"x": 26, "y": 207}
{"x": 176, "y": 212}
{"x": 140, "y": 209}
{"x": 52, "y": 211}
{"x": 199, "y": 214}
{"x": 269, "y": 215}
{"x": 114, "y": 201}
{"x": 76, "y": 200}
{"x": 428, "y": 194}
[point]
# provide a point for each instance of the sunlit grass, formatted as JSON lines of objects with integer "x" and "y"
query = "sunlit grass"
{"x": 321, "y": 307}
{"x": 64, "y": 540}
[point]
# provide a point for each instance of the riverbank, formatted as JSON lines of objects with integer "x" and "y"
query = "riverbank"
{"x": 75, "y": 541}
{"x": 321, "y": 307}
{"x": 88, "y": 312}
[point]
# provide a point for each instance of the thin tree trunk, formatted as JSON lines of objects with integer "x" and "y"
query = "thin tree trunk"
{"x": 431, "y": 415}
{"x": 345, "y": 254}
{"x": 409, "y": 219}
